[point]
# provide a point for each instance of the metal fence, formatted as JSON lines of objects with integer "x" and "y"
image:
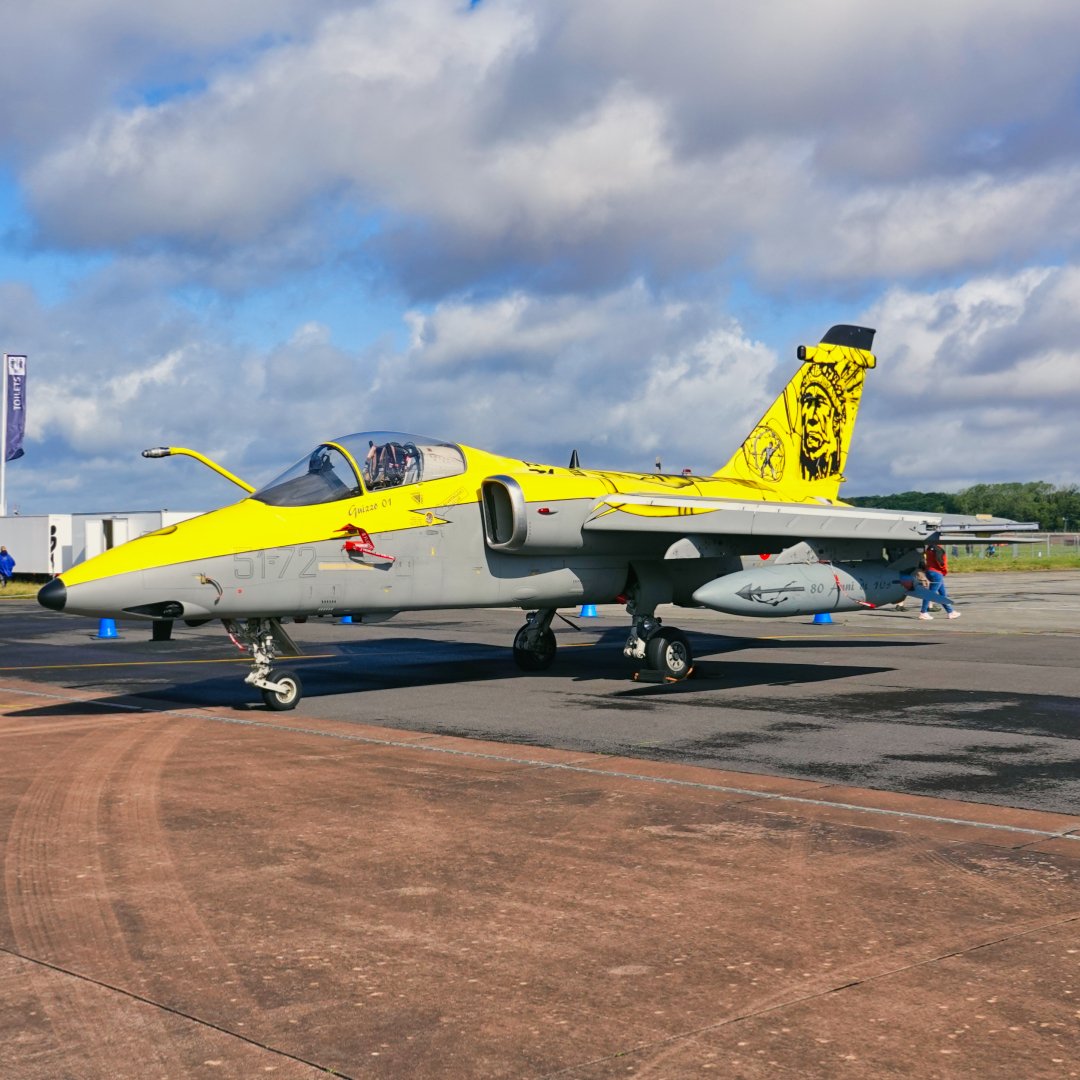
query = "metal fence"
{"x": 1031, "y": 546}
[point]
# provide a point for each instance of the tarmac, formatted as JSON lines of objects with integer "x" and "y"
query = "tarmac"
{"x": 194, "y": 886}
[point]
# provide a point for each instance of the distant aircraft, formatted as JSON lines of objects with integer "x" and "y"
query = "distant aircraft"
{"x": 381, "y": 522}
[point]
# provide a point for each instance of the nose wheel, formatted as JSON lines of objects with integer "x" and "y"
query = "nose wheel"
{"x": 281, "y": 690}
{"x": 265, "y": 639}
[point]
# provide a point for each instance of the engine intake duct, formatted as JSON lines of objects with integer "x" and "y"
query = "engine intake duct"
{"x": 550, "y": 523}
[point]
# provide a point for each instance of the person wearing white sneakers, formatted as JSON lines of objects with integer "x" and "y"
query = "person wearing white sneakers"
{"x": 918, "y": 584}
{"x": 937, "y": 566}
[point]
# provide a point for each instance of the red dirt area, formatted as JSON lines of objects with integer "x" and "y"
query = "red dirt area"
{"x": 219, "y": 894}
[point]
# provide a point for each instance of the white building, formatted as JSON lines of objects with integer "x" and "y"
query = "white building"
{"x": 53, "y": 543}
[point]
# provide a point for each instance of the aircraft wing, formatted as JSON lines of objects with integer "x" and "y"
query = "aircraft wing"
{"x": 733, "y": 517}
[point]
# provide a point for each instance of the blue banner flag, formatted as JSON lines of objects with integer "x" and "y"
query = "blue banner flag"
{"x": 15, "y": 428}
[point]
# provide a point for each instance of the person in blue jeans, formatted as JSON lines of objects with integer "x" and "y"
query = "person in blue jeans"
{"x": 937, "y": 566}
{"x": 917, "y": 583}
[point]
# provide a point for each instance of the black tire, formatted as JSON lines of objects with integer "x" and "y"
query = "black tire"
{"x": 161, "y": 631}
{"x": 282, "y": 701}
{"x": 538, "y": 658}
{"x": 668, "y": 652}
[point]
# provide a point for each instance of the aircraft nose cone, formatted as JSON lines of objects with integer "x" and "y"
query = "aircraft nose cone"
{"x": 53, "y": 595}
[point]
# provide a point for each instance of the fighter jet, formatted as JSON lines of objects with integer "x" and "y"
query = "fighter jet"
{"x": 379, "y": 522}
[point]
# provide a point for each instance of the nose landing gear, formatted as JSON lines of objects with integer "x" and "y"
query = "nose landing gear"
{"x": 265, "y": 639}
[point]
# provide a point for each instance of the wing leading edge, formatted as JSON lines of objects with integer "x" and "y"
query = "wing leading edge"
{"x": 638, "y": 514}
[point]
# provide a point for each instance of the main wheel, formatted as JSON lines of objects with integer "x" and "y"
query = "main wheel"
{"x": 668, "y": 651}
{"x": 538, "y": 657}
{"x": 287, "y": 698}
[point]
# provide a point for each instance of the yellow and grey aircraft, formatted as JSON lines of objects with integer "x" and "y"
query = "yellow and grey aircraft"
{"x": 376, "y": 523}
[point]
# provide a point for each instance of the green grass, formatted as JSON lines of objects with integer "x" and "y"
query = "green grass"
{"x": 1027, "y": 557}
{"x": 17, "y": 589}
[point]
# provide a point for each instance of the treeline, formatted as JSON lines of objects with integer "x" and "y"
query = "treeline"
{"x": 1055, "y": 509}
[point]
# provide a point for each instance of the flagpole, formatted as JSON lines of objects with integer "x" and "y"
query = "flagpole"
{"x": 3, "y": 441}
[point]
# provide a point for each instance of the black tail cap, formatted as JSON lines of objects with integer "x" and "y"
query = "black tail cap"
{"x": 852, "y": 337}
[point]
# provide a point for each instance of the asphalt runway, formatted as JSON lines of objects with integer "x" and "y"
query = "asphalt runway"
{"x": 984, "y": 708}
{"x": 437, "y": 867}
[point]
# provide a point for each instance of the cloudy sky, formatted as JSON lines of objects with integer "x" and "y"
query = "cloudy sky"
{"x": 534, "y": 226}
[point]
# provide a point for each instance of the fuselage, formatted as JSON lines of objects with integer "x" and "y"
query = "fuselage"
{"x": 434, "y": 543}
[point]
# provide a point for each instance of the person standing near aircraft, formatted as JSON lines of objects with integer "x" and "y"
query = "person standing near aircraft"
{"x": 7, "y": 565}
{"x": 937, "y": 566}
{"x": 917, "y": 583}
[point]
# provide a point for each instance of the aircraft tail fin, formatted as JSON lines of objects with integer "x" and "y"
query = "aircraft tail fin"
{"x": 800, "y": 446}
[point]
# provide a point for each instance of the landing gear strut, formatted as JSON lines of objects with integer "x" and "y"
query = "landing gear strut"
{"x": 534, "y": 643}
{"x": 662, "y": 652}
{"x": 665, "y": 651}
{"x": 265, "y": 639}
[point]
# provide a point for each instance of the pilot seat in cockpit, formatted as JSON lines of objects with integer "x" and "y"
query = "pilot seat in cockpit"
{"x": 392, "y": 463}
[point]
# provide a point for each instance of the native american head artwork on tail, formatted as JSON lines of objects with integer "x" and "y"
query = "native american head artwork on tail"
{"x": 799, "y": 446}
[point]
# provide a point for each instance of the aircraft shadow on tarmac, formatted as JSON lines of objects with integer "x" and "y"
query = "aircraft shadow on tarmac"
{"x": 731, "y": 675}
{"x": 400, "y": 662}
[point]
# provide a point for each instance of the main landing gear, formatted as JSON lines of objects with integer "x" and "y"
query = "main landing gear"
{"x": 665, "y": 650}
{"x": 265, "y": 639}
{"x": 534, "y": 643}
{"x": 663, "y": 653}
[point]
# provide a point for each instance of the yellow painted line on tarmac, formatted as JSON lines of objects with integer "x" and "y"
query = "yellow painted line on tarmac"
{"x": 161, "y": 663}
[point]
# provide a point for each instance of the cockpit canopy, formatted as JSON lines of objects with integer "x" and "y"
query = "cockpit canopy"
{"x": 367, "y": 461}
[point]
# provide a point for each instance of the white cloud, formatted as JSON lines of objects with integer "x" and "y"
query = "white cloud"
{"x": 579, "y": 140}
{"x": 578, "y": 212}
{"x": 619, "y": 377}
{"x": 975, "y": 381}
{"x": 65, "y": 63}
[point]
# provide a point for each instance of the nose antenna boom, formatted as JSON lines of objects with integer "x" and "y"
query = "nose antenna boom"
{"x": 169, "y": 451}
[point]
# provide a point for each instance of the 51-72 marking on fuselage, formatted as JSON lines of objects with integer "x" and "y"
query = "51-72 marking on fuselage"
{"x": 274, "y": 563}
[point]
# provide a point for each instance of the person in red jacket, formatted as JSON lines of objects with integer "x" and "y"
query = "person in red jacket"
{"x": 936, "y": 559}
{"x": 937, "y": 566}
